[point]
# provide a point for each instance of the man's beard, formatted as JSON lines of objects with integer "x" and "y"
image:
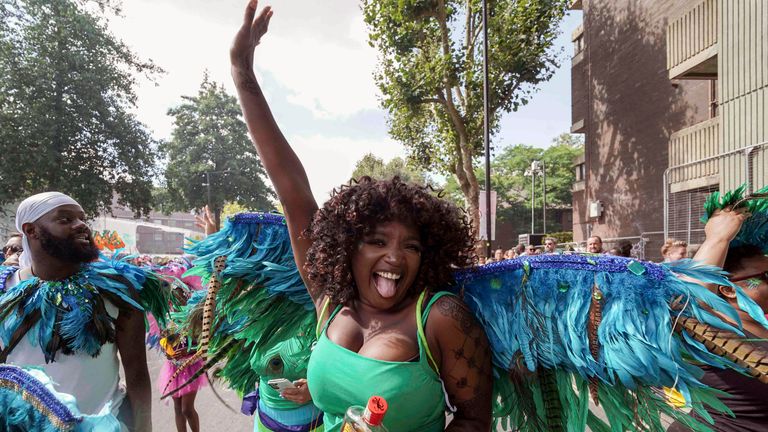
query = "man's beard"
{"x": 67, "y": 249}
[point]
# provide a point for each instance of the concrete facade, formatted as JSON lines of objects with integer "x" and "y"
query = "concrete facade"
{"x": 627, "y": 107}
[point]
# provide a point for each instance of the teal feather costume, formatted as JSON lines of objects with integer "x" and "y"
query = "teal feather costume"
{"x": 69, "y": 316}
{"x": 563, "y": 328}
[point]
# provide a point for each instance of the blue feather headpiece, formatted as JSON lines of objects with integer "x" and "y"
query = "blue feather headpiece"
{"x": 754, "y": 231}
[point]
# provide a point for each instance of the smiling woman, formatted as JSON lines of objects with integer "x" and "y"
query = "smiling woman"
{"x": 371, "y": 256}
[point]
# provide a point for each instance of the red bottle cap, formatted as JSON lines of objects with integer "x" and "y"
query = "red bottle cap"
{"x": 374, "y": 412}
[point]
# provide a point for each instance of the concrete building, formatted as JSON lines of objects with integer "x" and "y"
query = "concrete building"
{"x": 669, "y": 94}
{"x": 156, "y": 234}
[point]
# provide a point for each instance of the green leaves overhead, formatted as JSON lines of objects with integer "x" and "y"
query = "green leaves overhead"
{"x": 66, "y": 91}
{"x": 430, "y": 72}
{"x": 210, "y": 136}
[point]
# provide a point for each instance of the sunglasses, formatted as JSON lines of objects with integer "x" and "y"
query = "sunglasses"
{"x": 10, "y": 250}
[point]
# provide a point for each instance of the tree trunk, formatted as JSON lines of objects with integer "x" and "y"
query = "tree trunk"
{"x": 217, "y": 218}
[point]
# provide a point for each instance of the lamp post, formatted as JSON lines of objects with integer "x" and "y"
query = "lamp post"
{"x": 537, "y": 167}
{"x": 486, "y": 130}
{"x": 531, "y": 172}
{"x": 207, "y": 183}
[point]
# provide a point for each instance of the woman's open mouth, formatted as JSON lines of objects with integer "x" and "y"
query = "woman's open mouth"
{"x": 386, "y": 283}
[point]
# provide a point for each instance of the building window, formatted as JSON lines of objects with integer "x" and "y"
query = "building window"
{"x": 578, "y": 44}
{"x": 581, "y": 172}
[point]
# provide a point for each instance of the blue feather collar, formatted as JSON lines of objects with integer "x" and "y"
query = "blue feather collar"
{"x": 69, "y": 315}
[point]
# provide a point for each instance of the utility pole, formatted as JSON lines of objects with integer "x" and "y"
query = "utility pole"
{"x": 486, "y": 131}
{"x": 533, "y": 201}
{"x": 207, "y": 185}
{"x": 544, "y": 195}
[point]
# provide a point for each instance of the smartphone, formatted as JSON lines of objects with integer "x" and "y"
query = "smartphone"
{"x": 280, "y": 384}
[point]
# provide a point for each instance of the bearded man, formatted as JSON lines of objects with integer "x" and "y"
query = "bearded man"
{"x": 66, "y": 312}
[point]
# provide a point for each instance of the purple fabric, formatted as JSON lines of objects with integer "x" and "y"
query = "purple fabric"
{"x": 250, "y": 403}
{"x": 279, "y": 427}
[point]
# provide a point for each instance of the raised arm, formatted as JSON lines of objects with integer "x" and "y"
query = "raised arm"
{"x": 720, "y": 229}
{"x": 277, "y": 156}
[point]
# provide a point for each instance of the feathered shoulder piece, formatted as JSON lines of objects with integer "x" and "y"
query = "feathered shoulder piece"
{"x": 754, "y": 231}
{"x": 30, "y": 402}
{"x": 70, "y": 315}
{"x": 255, "y": 311}
{"x": 564, "y": 328}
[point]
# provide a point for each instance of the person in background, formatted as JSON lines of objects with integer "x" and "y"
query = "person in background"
{"x": 550, "y": 245}
{"x": 510, "y": 254}
{"x": 531, "y": 250}
{"x": 59, "y": 250}
{"x": 519, "y": 250}
{"x": 747, "y": 263}
{"x": 12, "y": 250}
{"x": 595, "y": 245}
{"x": 498, "y": 255}
{"x": 674, "y": 250}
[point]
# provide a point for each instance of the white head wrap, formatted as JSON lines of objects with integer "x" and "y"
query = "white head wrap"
{"x": 32, "y": 209}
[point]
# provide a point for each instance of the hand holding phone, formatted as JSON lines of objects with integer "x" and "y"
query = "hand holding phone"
{"x": 280, "y": 384}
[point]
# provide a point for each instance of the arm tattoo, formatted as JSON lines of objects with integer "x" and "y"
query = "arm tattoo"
{"x": 470, "y": 357}
{"x": 451, "y": 308}
{"x": 247, "y": 78}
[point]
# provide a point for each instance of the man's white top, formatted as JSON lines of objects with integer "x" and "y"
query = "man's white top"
{"x": 93, "y": 381}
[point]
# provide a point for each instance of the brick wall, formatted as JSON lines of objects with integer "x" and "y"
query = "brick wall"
{"x": 631, "y": 109}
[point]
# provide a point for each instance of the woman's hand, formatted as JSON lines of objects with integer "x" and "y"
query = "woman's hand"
{"x": 725, "y": 224}
{"x": 300, "y": 394}
{"x": 206, "y": 222}
{"x": 249, "y": 35}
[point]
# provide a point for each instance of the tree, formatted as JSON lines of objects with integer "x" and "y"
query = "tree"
{"x": 66, "y": 90}
{"x": 375, "y": 168}
{"x": 513, "y": 187}
{"x": 210, "y": 153}
{"x": 431, "y": 76}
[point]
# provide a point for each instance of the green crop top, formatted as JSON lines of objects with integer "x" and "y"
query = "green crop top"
{"x": 339, "y": 378}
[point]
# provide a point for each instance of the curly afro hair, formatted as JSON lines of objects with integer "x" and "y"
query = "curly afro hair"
{"x": 356, "y": 209}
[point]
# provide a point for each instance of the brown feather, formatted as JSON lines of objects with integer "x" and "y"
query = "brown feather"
{"x": 729, "y": 345}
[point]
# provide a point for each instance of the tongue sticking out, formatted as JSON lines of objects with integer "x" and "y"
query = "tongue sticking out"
{"x": 385, "y": 287}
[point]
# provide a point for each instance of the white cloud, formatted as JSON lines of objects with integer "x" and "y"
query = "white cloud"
{"x": 324, "y": 68}
{"x": 332, "y": 77}
{"x": 330, "y": 160}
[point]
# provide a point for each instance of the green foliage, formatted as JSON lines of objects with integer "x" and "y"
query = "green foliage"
{"x": 562, "y": 237}
{"x": 66, "y": 91}
{"x": 513, "y": 187}
{"x": 430, "y": 72}
{"x": 375, "y": 168}
{"x": 211, "y": 137}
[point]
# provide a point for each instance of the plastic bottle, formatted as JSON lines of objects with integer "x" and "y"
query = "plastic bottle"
{"x": 368, "y": 419}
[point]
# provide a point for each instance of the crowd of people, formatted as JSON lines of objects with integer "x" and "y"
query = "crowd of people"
{"x": 672, "y": 250}
{"x": 374, "y": 265}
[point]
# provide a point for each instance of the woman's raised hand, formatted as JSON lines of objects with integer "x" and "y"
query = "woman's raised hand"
{"x": 249, "y": 35}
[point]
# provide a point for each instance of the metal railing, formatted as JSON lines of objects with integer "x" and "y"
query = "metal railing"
{"x": 683, "y": 207}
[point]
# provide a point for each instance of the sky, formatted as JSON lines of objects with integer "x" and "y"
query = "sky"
{"x": 316, "y": 70}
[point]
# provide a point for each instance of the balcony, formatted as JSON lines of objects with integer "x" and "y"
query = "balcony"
{"x": 690, "y": 145}
{"x": 692, "y": 43}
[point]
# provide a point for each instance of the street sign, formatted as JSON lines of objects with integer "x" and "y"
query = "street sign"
{"x": 483, "y": 230}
